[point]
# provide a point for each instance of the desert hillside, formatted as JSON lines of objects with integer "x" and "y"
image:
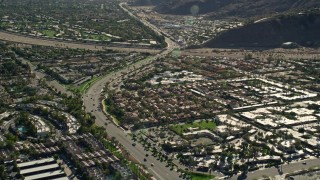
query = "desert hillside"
{"x": 229, "y": 8}
{"x": 302, "y": 29}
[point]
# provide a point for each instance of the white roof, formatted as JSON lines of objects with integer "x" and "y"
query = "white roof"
{"x": 30, "y": 163}
{"x": 40, "y": 168}
{"x": 44, "y": 175}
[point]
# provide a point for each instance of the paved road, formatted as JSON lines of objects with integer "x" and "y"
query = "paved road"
{"x": 54, "y": 84}
{"x": 92, "y": 98}
{"x": 146, "y": 23}
{"x": 92, "y": 101}
{"x": 64, "y": 44}
{"x": 286, "y": 168}
{"x": 92, "y": 104}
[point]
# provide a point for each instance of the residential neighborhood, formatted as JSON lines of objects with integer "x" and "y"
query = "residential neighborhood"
{"x": 258, "y": 120}
{"x": 159, "y": 90}
{"x": 45, "y": 133}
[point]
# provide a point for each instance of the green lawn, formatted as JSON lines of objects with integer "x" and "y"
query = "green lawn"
{"x": 105, "y": 107}
{"x": 135, "y": 169}
{"x": 4, "y": 24}
{"x": 195, "y": 176}
{"x": 49, "y": 33}
{"x": 100, "y": 37}
{"x": 83, "y": 87}
{"x": 181, "y": 128}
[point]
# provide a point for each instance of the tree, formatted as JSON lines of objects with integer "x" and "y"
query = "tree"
{"x": 301, "y": 130}
{"x": 248, "y": 56}
{"x": 3, "y": 173}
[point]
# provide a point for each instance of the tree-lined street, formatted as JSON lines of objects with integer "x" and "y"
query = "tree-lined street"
{"x": 92, "y": 100}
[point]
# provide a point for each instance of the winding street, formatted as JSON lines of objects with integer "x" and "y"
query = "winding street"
{"x": 92, "y": 104}
{"x": 92, "y": 98}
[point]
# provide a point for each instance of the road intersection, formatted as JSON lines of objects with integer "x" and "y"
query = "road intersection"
{"x": 92, "y": 100}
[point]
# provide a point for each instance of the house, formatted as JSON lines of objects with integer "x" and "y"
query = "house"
{"x": 288, "y": 145}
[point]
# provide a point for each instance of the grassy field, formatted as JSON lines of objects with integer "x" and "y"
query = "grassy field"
{"x": 100, "y": 37}
{"x": 135, "y": 169}
{"x": 202, "y": 125}
{"x": 4, "y": 24}
{"x": 115, "y": 120}
{"x": 83, "y": 87}
{"x": 49, "y": 33}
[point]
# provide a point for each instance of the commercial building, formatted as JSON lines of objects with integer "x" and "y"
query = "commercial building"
{"x": 41, "y": 169}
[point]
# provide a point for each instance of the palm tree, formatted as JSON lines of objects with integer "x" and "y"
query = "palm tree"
{"x": 126, "y": 154}
{"x": 230, "y": 161}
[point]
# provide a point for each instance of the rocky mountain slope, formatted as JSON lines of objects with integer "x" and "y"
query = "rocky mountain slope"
{"x": 302, "y": 29}
{"x": 229, "y": 8}
{"x": 147, "y": 2}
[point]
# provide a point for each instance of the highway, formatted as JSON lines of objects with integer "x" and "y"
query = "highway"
{"x": 22, "y": 39}
{"x": 92, "y": 98}
{"x": 92, "y": 103}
